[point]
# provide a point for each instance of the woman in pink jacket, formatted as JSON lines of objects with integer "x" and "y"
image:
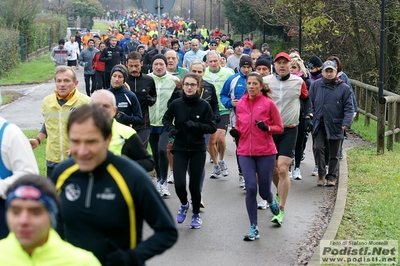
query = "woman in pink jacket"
{"x": 258, "y": 118}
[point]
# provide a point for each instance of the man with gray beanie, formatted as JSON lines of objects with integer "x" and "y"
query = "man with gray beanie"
{"x": 165, "y": 86}
{"x": 32, "y": 206}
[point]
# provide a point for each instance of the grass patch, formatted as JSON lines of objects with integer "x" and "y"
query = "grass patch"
{"x": 38, "y": 70}
{"x": 40, "y": 152}
{"x": 9, "y": 96}
{"x": 372, "y": 209}
{"x": 101, "y": 26}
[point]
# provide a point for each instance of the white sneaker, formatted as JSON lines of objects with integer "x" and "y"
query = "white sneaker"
{"x": 315, "y": 171}
{"x": 262, "y": 205}
{"x": 241, "y": 181}
{"x": 158, "y": 187}
{"x": 211, "y": 160}
{"x": 327, "y": 169}
{"x": 164, "y": 190}
{"x": 170, "y": 178}
{"x": 290, "y": 175}
{"x": 297, "y": 174}
{"x": 223, "y": 167}
{"x": 215, "y": 172}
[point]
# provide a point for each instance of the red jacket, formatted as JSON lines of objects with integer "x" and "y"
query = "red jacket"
{"x": 253, "y": 140}
{"x": 97, "y": 64}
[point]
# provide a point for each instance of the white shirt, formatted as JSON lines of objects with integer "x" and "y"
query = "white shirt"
{"x": 73, "y": 48}
{"x": 17, "y": 156}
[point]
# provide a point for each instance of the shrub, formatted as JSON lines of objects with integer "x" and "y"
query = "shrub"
{"x": 9, "y": 43}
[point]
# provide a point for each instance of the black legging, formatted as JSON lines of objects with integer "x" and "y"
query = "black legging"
{"x": 299, "y": 149}
{"x": 90, "y": 89}
{"x": 195, "y": 160}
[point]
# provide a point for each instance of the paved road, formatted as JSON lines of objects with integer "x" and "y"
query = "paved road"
{"x": 225, "y": 221}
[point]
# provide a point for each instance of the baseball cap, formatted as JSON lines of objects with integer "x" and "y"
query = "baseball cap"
{"x": 329, "y": 64}
{"x": 282, "y": 54}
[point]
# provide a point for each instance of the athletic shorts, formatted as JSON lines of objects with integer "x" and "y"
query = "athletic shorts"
{"x": 286, "y": 142}
{"x": 223, "y": 124}
{"x": 71, "y": 63}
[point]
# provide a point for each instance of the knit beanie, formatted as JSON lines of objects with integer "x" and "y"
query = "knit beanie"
{"x": 122, "y": 69}
{"x": 314, "y": 62}
{"x": 159, "y": 56}
{"x": 263, "y": 61}
{"x": 245, "y": 60}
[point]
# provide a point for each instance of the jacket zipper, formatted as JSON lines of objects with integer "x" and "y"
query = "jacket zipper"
{"x": 89, "y": 191}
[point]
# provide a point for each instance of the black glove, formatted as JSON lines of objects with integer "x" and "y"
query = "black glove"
{"x": 117, "y": 257}
{"x": 217, "y": 118}
{"x": 234, "y": 133}
{"x": 119, "y": 115}
{"x": 261, "y": 125}
{"x": 150, "y": 101}
{"x": 191, "y": 124}
{"x": 172, "y": 133}
{"x": 308, "y": 125}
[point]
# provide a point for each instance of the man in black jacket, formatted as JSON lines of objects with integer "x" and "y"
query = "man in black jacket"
{"x": 145, "y": 89}
{"x": 106, "y": 198}
{"x": 112, "y": 55}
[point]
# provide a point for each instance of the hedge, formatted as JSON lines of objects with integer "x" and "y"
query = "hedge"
{"x": 10, "y": 55}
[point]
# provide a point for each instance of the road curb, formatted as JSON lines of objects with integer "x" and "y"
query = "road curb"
{"x": 338, "y": 211}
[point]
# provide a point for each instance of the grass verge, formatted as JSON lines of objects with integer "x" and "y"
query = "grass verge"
{"x": 101, "y": 26}
{"x": 38, "y": 70}
{"x": 40, "y": 152}
{"x": 373, "y": 200}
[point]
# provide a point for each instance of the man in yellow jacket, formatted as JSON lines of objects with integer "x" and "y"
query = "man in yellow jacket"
{"x": 56, "y": 109}
{"x": 32, "y": 206}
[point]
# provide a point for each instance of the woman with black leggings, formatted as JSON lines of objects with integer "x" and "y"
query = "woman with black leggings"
{"x": 187, "y": 120}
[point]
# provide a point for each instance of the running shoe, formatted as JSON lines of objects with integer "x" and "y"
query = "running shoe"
{"x": 330, "y": 183}
{"x": 170, "y": 178}
{"x": 278, "y": 219}
{"x": 164, "y": 189}
{"x": 252, "y": 235}
{"x": 274, "y": 207}
{"x": 290, "y": 175}
{"x": 327, "y": 169}
{"x": 297, "y": 174}
{"x": 241, "y": 181}
{"x": 315, "y": 171}
{"x": 158, "y": 187}
{"x": 223, "y": 167}
{"x": 181, "y": 217}
{"x": 303, "y": 157}
{"x": 215, "y": 172}
{"x": 321, "y": 181}
{"x": 211, "y": 160}
{"x": 262, "y": 205}
{"x": 196, "y": 221}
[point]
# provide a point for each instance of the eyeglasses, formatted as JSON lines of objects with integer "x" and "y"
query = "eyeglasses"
{"x": 213, "y": 45}
{"x": 190, "y": 84}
